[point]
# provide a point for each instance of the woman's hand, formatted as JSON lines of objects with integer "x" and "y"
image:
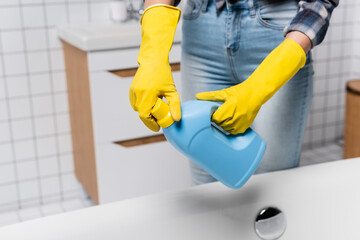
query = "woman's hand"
{"x": 153, "y": 78}
{"x": 243, "y": 101}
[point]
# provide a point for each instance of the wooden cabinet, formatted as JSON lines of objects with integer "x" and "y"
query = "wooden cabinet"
{"x": 352, "y": 120}
{"x": 116, "y": 157}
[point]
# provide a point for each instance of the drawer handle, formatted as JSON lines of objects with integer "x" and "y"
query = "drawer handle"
{"x": 141, "y": 141}
{"x": 130, "y": 72}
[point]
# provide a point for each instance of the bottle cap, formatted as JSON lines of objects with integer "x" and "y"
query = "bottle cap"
{"x": 161, "y": 112}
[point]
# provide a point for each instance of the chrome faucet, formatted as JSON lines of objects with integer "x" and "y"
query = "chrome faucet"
{"x": 126, "y": 10}
{"x": 132, "y": 12}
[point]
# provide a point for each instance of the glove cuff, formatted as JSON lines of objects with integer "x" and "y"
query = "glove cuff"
{"x": 158, "y": 26}
{"x": 168, "y": 7}
{"x": 276, "y": 69}
{"x": 296, "y": 51}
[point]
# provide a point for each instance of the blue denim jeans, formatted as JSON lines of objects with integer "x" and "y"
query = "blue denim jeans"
{"x": 220, "y": 50}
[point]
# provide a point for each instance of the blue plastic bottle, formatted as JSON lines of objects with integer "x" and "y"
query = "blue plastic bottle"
{"x": 231, "y": 159}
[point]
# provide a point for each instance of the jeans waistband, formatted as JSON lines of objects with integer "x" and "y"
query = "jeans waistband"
{"x": 243, "y": 4}
{"x": 249, "y": 4}
{"x": 231, "y": 5}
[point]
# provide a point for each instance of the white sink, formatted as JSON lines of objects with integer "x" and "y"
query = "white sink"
{"x": 105, "y": 36}
{"x": 319, "y": 202}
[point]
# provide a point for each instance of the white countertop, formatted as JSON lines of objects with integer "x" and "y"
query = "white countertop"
{"x": 105, "y": 36}
{"x": 320, "y": 198}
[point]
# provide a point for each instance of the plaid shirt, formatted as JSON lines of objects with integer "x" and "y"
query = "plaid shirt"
{"x": 312, "y": 19}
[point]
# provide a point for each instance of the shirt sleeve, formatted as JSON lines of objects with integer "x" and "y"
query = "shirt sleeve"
{"x": 313, "y": 19}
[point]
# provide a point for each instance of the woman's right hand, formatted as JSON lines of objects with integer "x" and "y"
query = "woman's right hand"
{"x": 153, "y": 78}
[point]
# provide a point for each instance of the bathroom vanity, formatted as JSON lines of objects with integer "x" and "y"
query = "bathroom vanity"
{"x": 116, "y": 157}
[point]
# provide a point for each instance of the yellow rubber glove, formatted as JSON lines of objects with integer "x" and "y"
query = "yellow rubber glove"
{"x": 243, "y": 101}
{"x": 153, "y": 78}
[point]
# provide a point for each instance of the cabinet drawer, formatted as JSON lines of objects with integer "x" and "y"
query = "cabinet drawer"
{"x": 127, "y": 172}
{"x": 113, "y": 117}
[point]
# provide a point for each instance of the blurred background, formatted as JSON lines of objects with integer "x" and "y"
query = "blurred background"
{"x": 36, "y": 156}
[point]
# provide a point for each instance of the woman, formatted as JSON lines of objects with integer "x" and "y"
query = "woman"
{"x": 249, "y": 54}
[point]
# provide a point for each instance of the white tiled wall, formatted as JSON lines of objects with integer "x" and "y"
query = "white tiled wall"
{"x": 36, "y": 162}
{"x": 335, "y": 62}
{"x": 356, "y": 44}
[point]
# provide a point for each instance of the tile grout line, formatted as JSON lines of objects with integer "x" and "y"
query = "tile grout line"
{"x": 32, "y": 179}
{"x": 59, "y": 175}
{"x": 42, "y": 157}
{"x": 337, "y": 128}
{"x": 32, "y": 117}
{"x": 11, "y": 135}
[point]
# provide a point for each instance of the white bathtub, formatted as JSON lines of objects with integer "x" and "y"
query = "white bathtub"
{"x": 320, "y": 202}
